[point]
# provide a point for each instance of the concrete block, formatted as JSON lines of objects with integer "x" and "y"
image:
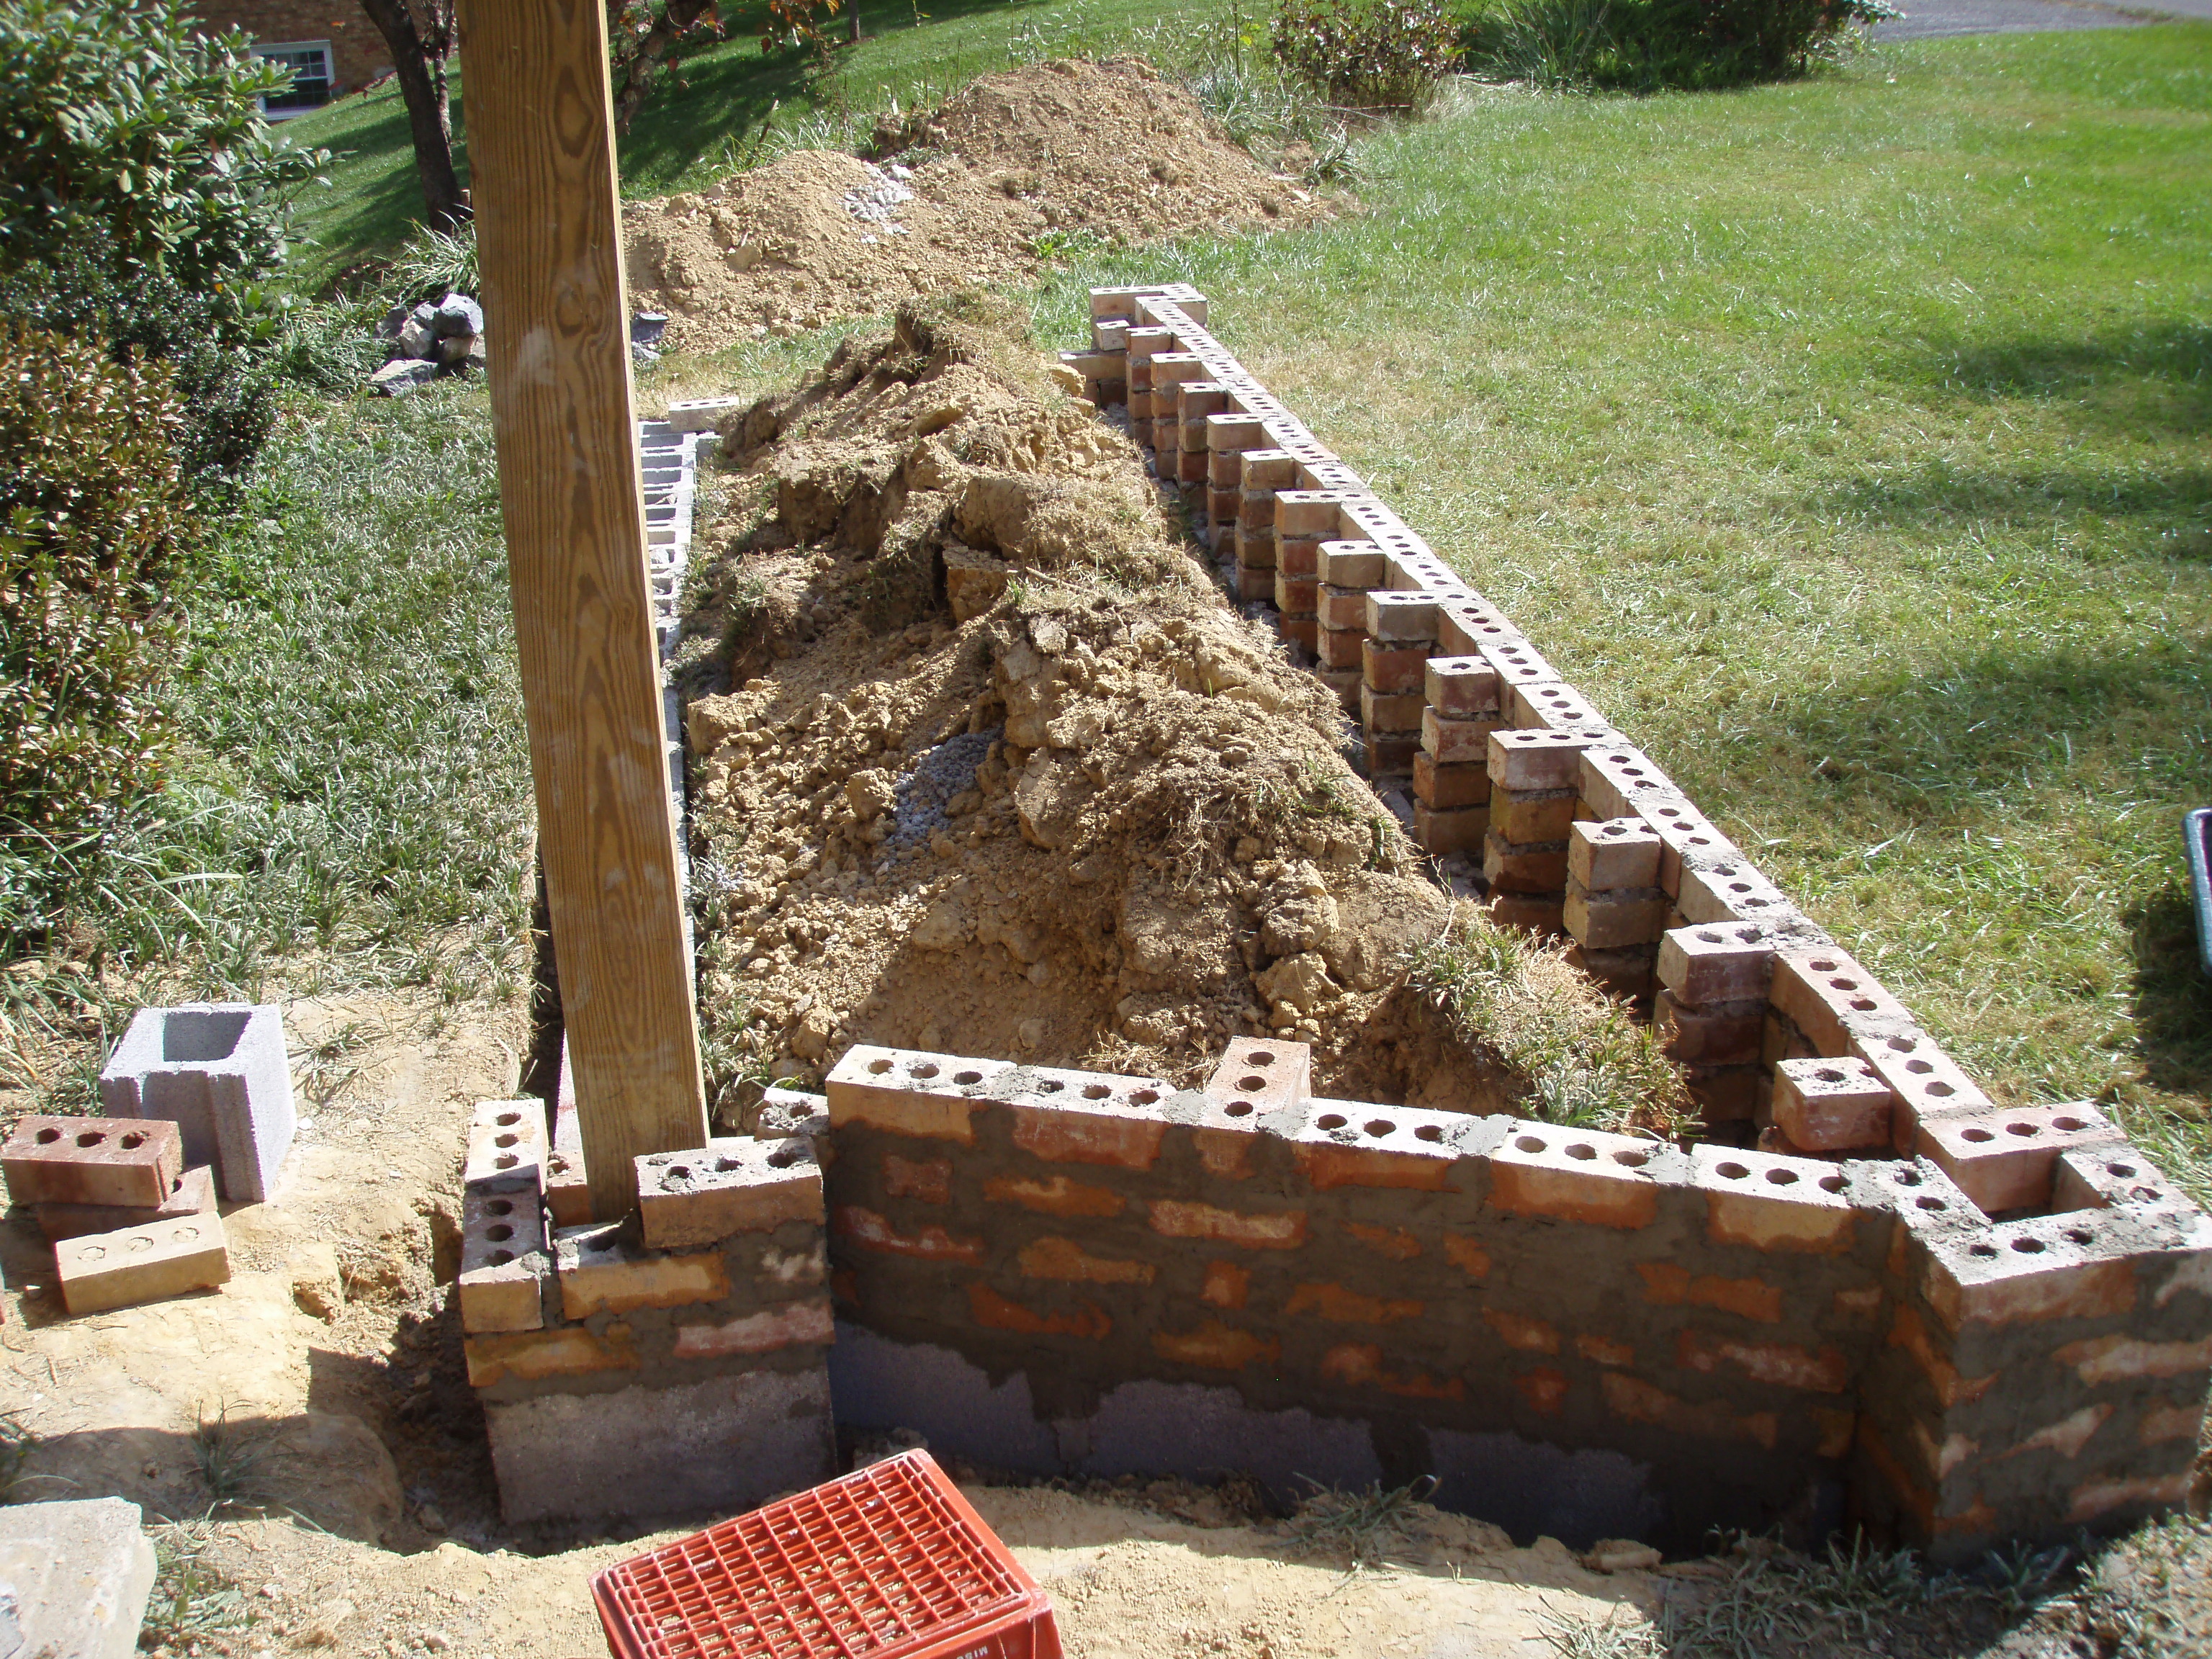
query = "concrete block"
{"x": 193, "y": 1194}
{"x": 508, "y": 1151}
{"x": 724, "y": 1443}
{"x": 219, "y": 1072}
{"x": 93, "y": 1161}
{"x": 142, "y": 1264}
{"x": 727, "y": 1186}
{"x": 504, "y": 1262}
{"x": 74, "y": 1579}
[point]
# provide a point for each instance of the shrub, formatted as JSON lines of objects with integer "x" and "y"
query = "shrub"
{"x": 1368, "y": 54}
{"x": 1646, "y": 45}
{"x": 93, "y": 524}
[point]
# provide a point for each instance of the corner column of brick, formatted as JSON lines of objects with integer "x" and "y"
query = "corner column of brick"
{"x": 1349, "y": 570}
{"x": 1228, "y": 436}
{"x": 1143, "y": 345}
{"x": 1262, "y": 473}
{"x": 1535, "y": 798}
{"x": 1401, "y": 632}
{"x": 1195, "y": 401}
{"x": 1615, "y": 910}
{"x": 1451, "y": 773}
{"x": 1304, "y": 520}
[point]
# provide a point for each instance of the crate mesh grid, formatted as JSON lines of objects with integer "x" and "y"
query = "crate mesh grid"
{"x": 874, "y": 1565}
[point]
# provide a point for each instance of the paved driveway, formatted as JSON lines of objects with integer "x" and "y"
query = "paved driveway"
{"x": 1927, "y": 19}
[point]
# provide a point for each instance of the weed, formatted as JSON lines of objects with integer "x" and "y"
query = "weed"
{"x": 1358, "y": 1523}
{"x": 1621, "y": 1634}
{"x": 235, "y": 1461}
{"x": 436, "y": 263}
{"x": 17, "y": 1442}
{"x": 193, "y": 1600}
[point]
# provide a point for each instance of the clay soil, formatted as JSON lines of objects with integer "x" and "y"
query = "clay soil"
{"x": 977, "y": 191}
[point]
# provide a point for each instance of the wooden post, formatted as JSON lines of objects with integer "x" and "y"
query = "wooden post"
{"x": 549, "y": 235}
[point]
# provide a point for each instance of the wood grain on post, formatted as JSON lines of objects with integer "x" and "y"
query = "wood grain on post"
{"x": 549, "y": 235}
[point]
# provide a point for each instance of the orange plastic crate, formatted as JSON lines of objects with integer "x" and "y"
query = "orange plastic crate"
{"x": 889, "y": 1563}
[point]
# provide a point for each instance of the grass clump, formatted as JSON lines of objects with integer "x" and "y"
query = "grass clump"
{"x": 1586, "y": 1063}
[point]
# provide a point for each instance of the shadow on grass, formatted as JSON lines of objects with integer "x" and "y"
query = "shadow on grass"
{"x": 1914, "y": 736}
{"x": 2171, "y": 996}
{"x": 2141, "y": 380}
{"x": 1940, "y": 497}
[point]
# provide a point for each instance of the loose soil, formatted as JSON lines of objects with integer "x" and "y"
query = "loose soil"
{"x": 975, "y": 192}
{"x": 1004, "y": 773}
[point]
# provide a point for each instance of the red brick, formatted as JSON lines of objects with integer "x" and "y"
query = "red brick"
{"x": 1256, "y": 582}
{"x": 987, "y": 1307}
{"x": 1344, "y": 1307}
{"x": 1389, "y": 754}
{"x": 1600, "y": 1351}
{"x": 1724, "y": 963}
{"x": 1394, "y": 1243}
{"x": 1553, "y": 706}
{"x": 1064, "y": 1259}
{"x": 600, "y": 1274}
{"x": 1280, "y": 1230}
{"x": 1925, "y": 1080}
{"x": 1539, "y": 869}
{"x": 2005, "y": 1158}
{"x": 1835, "y": 1429}
{"x": 1444, "y": 788}
{"x": 906, "y": 1092}
{"x": 564, "y": 1351}
{"x": 1616, "y": 777}
{"x": 931, "y": 1181}
{"x": 1461, "y": 688}
{"x": 1515, "y": 660}
{"x": 1458, "y": 739}
{"x": 1545, "y": 1388}
{"x": 1354, "y": 565}
{"x": 2067, "y": 1436}
{"x": 1227, "y": 1286}
{"x": 1773, "y": 1203}
{"x": 1327, "y": 1167}
{"x": 1401, "y": 615}
{"x": 1537, "y": 759}
{"x": 1722, "y": 1034}
{"x": 1731, "y": 889}
{"x": 1393, "y": 669}
{"x": 1618, "y": 852}
{"x": 1466, "y": 1254}
{"x": 1641, "y": 1403}
{"x": 1603, "y": 921}
{"x": 1126, "y": 1140}
{"x": 1830, "y": 1105}
{"x": 1055, "y": 1195}
{"x": 1672, "y": 1286}
{"x": 2104, "y": 1360}
{"x": 1535, "y": 913}
{"x": 1360, "y": 1365}
{"x": 1626, "y": 974}
{"x": 1828, "y": 997}
{"x": 1541, "y": 1170}
{"x": 2095, "y": 1497}
{"x": 870, "y": 1231}
{"x": 1780, "y": 1364}
{"x": 1520, "y": 1331}
{"x": 2161, "y": 1422}
{"x": 2012, "y": 1285}
{"x": 1295, "y": 596}
{"x": 1338, "y": 648}
{"x": 1524, "y": 819}
{"x": 1215, "y": 1346}
{"x": 193, "y": 1194}
{"x": 130, "y": 1162}
{"x": 800, "y": 1324}
{"x": 1392, "y": 715}
{"x": 1441, "y": 833}
{"x": 1909, "y": 1332}
{"x": 1264, "y": 1075}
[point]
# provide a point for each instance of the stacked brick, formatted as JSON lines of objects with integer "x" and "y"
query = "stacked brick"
{"x": 128, "y": 1221}
{"x": 1760, "y": 1332}
{"x": 672, "y": 1360}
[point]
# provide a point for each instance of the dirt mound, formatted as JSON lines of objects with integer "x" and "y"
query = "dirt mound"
{"x": 1005, "y": 776}
{"x": 969, "y": 193}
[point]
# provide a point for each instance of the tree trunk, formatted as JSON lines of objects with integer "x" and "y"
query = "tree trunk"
{"x": 427, "y": 117}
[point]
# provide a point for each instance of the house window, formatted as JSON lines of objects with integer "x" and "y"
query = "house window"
{"x": 310, "y": 63}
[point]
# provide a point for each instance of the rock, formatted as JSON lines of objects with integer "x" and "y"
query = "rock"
{"x": 402, "y": 375}
{"x": 1298, "y": 921}
{"x": 809, "y": 1038}
{"x": 871, "y": 795}
{"x": 389, "y": 328}
{"x": 646, "y": 328}
{"x": 710, "y": 722}
{"x": 1050, "y": 800}
{"x": 457, "y": 315}
{"x": 1299, "y": 984}
{"x": 74, "y": 1578}
{"x": 1621, "y": 1555}
{"x": 317, "y": 1286}
{"x": 945, "y": 928}
{"x": 973, "y": 580}
{"x": 457, "y": 347}
{"x": 1067, "y": 380}
{"x": 416, "y": 337}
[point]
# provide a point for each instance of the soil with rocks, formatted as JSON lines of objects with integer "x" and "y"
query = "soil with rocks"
{"x": 980, "y": 190}
{"x": 1004, "y": 773}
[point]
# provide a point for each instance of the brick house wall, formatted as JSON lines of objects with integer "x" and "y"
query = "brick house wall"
{"x": 358, "y": 54}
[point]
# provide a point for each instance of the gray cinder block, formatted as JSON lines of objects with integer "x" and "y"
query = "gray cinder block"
{"x": 725, "y": 1444}
{"x": 74, "y": 1579}
{"x": 218, "y": 1071}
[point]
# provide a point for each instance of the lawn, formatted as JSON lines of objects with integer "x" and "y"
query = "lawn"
{"x": 734, "y": 104}
{"x": 1845, "y": 440}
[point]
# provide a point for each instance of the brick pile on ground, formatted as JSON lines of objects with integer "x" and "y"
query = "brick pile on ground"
{"x": 1002, "y": 772}
{"x": 970, "y": 193}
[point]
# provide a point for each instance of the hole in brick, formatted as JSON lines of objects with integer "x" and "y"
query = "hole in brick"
{"x": 2028, "y": 1246}
{"x": 1831, "y": 1183}
{"x": 500, "y": 1233}
{"x": 1918, "y": 1067}
{"x": 1824, "y": 967}
{"x": 1095, "y": 1092}
{"x": 1782, "y": 1177}
{"x": 1977, "y": 1136}
{"x": 1982, "y": 1249}
{"x": 2125, "y": 1171}
{"x": 47, "y": 1137}
{"x": 1708, "y": 938}
{"x": 1238, "y": 1108}
{"x": 1901, "y": 1045}
{"x": 1380, "y": 1127}
{"x": 680, "y": 1172}
{"x": 1864, "y": 1004}
{"x": 1253, "y": 1083}
{"x": 1926, "y": 1203}
{"x": 2068, "y": 1125}
{"x": 91, "y": 1137}
{"x": 1581, "y": 1152}
{"x": 966, "y": 1078}
{"x": 1529, "y": 1144}
{"x": 1731, "y": 1171}
{"x": 925, "y": 1070}
{"x": 1907, "y": 1177}
{"x": 878, "y": 1067}
{"x": 1940, "y": 1091}
{"x": 132, "y": 1143}
{"x": 505, "y": 1141}
{"x": 506, "y": 1161}
{"x": 782, "y": 1159}
{"x": 1051, "y": 1085}
{"x": 501, "y": 1258}
{"x": 1634, "y": 1160}
{"x": 2023, "y": 1130}
{"x": 1430, "y": 1132}
{"x": 1144, "y": 1097}
{"x": 2144, "y": 1194}
{"x": 560, "y": 1166}
{"x": 1328, "y": 1120}
{"x": 138, "y": 1243}
{"x": 1829, "y": 1074}
{"x": 1260, "y": 1059}
{"x": 508, "y": 1120}
{"x": 501, "y": 1206}
{"x": 2079, "y": 1236}
{"x": 727, "y": 1166}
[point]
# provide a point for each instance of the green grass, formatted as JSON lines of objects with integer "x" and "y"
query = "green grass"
{"x": 1845, "y": 440}
{"x": 734, "y": 104}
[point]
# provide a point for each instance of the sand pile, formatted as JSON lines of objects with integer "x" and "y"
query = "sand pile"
{"x": 971, "y": 193}
{"x": 1003, "y": 774}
